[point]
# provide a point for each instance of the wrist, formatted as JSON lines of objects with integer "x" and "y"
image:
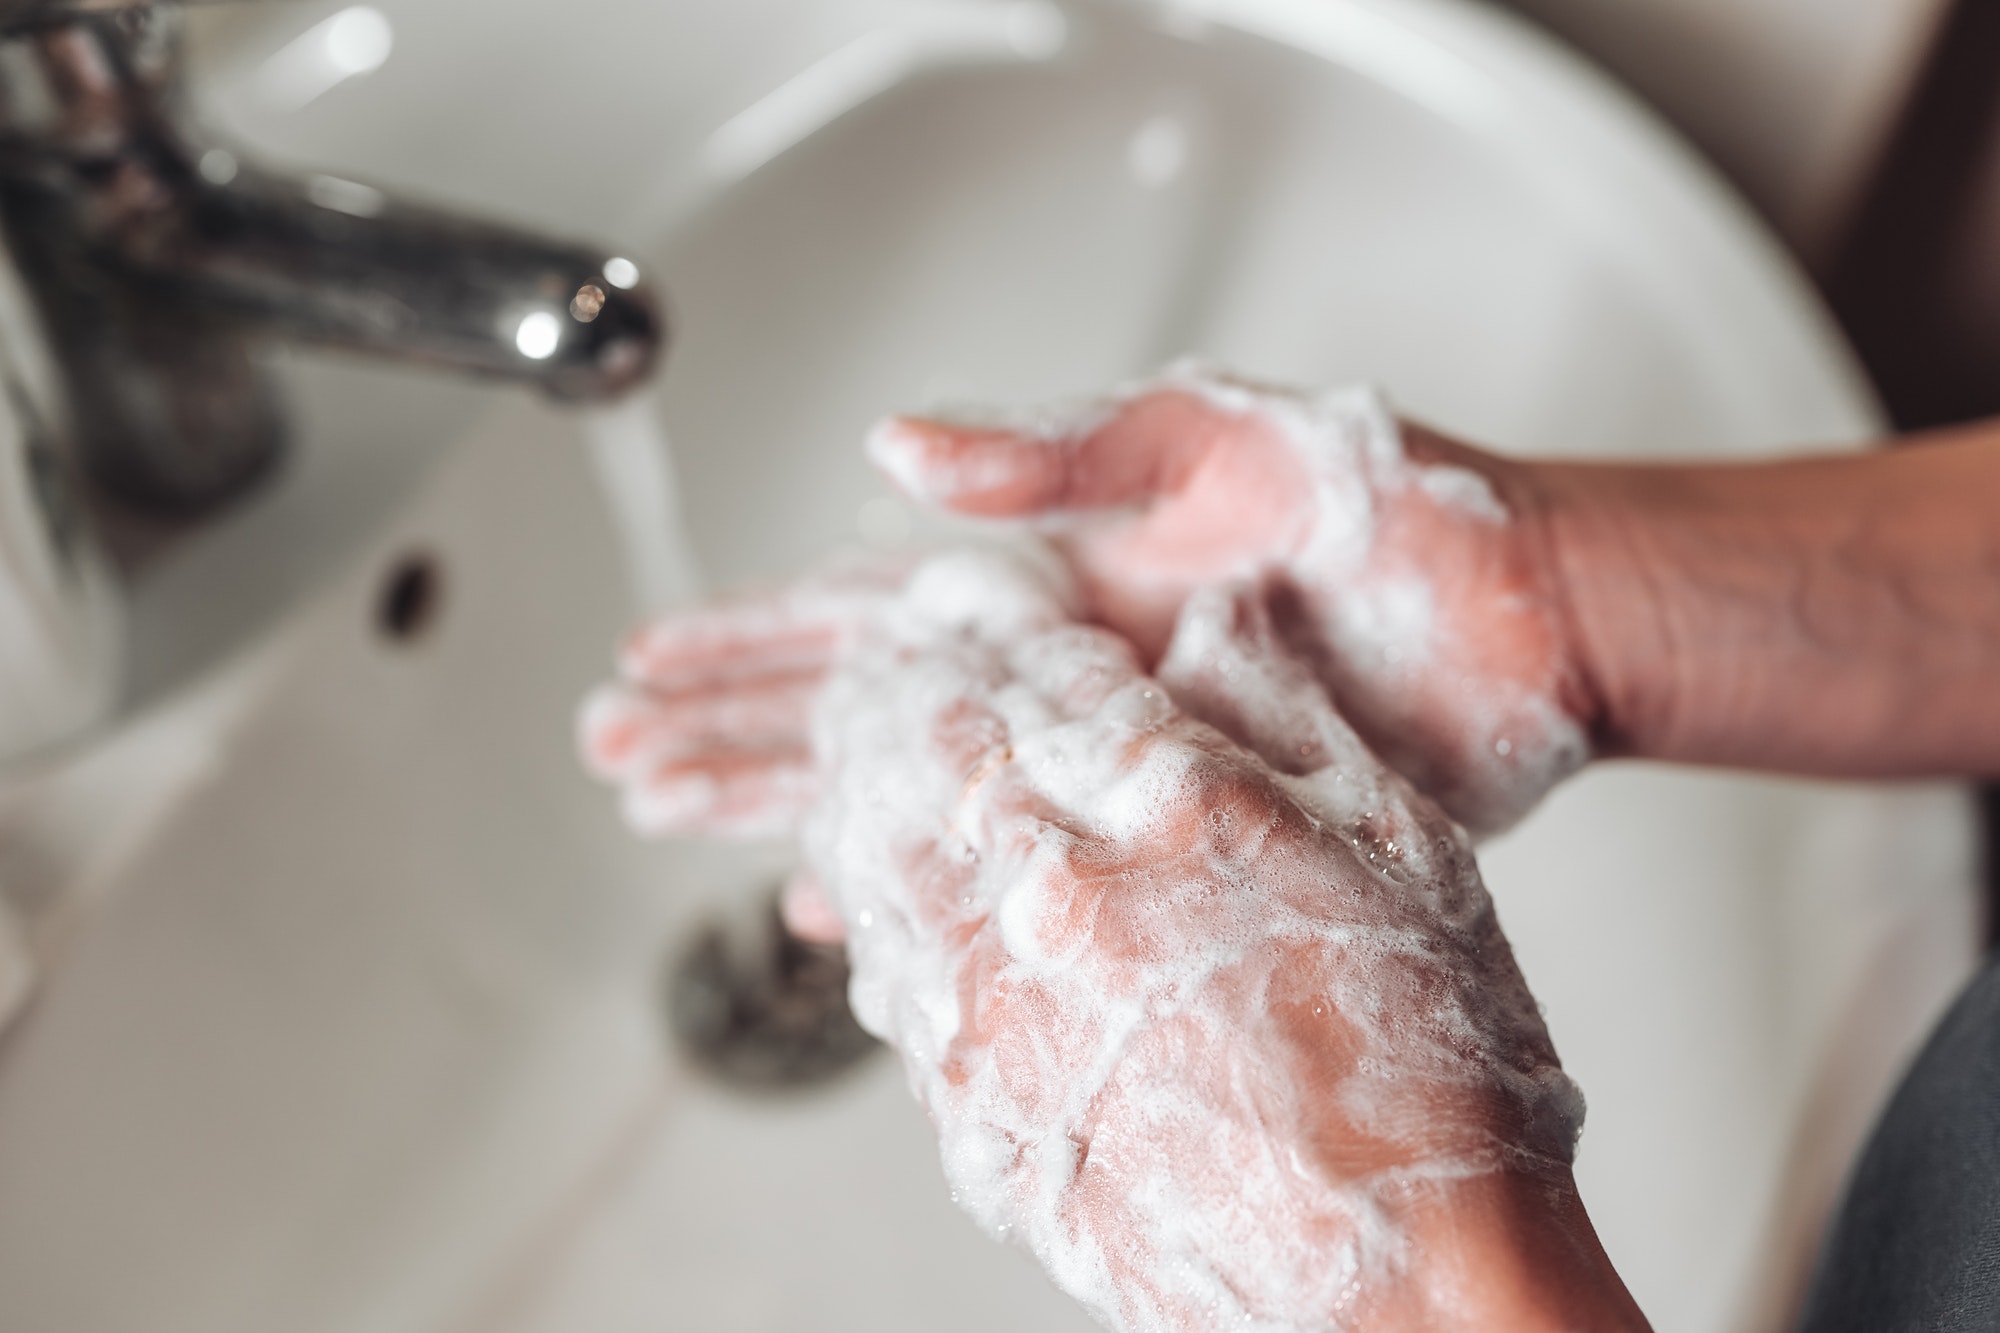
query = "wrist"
{"x": 1587, "y": 545}
{"x": 1513, "y": 1252}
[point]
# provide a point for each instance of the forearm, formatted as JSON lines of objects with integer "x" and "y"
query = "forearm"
{"x": 1835, "y": 616}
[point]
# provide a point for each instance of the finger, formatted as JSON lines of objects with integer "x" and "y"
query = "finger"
{"x": 626, "y": 735}
{"x": 766, "y": 713}
{"x": 808, "y": 912}
{"x": 1123, "y": 451}
{"x": 614, "y": 733}
{"x": 724, "y": 793}
{"x": 719, "y": 645}
{"x": 794, "y": 628}
{"x": 622, "y": 730}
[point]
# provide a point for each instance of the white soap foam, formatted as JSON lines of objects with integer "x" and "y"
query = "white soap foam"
{"x": 1487, "y": 747}
{"x": 1190, "y": 1021}
{"x": 1487, "y": 743}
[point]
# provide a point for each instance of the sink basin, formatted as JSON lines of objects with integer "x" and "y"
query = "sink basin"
{"x": 357, "y": 1023}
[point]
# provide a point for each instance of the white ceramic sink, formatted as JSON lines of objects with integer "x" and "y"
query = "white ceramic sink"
{"x": 355, "y": 1023}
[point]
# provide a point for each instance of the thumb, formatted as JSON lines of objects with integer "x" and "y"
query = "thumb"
{"x": 1120, "y": 452}
{"x": 985, "y": 471}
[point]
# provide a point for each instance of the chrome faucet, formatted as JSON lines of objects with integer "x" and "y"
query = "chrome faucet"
{"x": 158, "y": 267}
{"x": 142, "y": 275}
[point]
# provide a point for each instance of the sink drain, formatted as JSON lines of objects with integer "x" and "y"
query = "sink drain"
{"x": 760, "y": 1008}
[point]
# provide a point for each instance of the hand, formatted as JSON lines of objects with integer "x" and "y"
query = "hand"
{"x": 708, "y": 728}
{"x": 1391, "y": 558}
{"x": 1224, "y": 1030}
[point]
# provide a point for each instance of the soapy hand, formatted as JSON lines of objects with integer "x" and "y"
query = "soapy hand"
{"x": 1210, "y": 1009}
{"x": 708, "y": 727}
{"x": 1385, "y": 553}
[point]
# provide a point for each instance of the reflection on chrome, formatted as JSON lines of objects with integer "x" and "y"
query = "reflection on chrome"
{"x": 589, "y": 299}
{"x": 537, "y": 335}
{"x": 621, "y": 273}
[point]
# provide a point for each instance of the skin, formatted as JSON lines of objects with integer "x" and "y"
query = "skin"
{"x": 1825, "y": 616}
{"x": 1833, "y": 616}
{"x": 1296, "y": 1082}
{"x": 1197, "y": 480}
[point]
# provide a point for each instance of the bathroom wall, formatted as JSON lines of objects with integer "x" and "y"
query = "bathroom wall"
{"x": 1791, "y": 98}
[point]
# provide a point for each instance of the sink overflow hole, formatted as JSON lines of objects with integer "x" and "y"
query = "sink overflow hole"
{"x": 411, "y": 594}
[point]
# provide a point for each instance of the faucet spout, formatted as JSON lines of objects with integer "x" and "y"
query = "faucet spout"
{"x": 334, "y": 262}
{"x": 159, "y": 268}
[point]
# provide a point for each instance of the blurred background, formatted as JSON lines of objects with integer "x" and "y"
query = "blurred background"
{"x": 1867, "y": 135}
{"x": 334, "y": 997}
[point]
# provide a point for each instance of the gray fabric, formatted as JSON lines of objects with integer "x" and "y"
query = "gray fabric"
{"x": 1916, "y": 1244}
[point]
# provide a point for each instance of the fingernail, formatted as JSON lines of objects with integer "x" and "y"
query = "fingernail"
{"x": 898, "y": 447}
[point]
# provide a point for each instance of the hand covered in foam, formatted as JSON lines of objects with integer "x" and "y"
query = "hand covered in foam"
{"x": 1210, "y": 1009}
{"x": 1385, "y": 553}
{"x": 708, "y": 728}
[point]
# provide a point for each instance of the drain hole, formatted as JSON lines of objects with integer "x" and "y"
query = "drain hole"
{"x": 411, "y": 594}
{"x": 759, "y": 1008}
